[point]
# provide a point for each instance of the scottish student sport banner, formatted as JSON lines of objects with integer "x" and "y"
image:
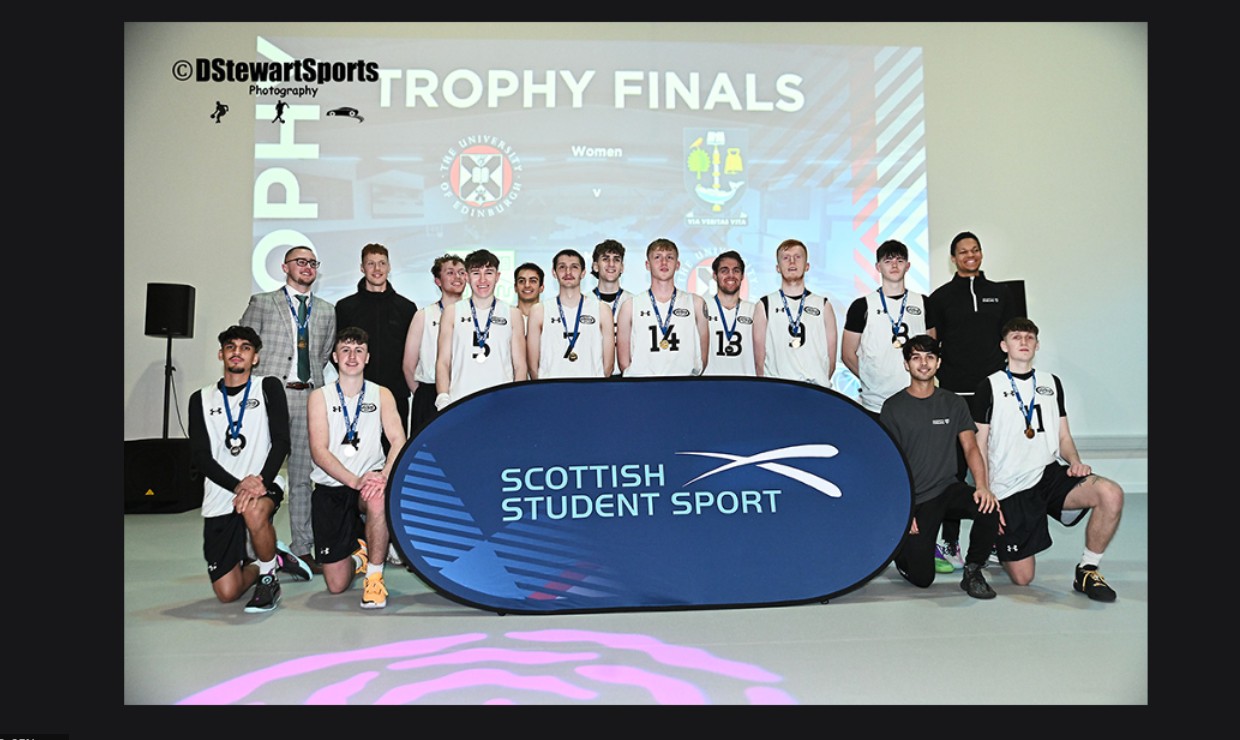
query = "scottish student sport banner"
{"x": 628, "y": 494}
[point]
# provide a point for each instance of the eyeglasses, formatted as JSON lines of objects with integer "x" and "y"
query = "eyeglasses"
{"x": 303, "y": 262}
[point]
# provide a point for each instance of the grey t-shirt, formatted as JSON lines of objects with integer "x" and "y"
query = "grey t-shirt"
{"x": 926, "y": 430}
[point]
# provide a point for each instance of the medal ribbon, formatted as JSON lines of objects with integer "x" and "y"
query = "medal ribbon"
{"x": 1027, "y": 412}
{"x": 664, "y": 326}
{"x": 614, "y": 301}
{"x": 351, "y": 434}
{"x": 793, "y": 324}
{"x": 576, "y": 324}
{"x": 723, "y": 319}
{"x": 482, "y": 335}
{"x": 301, "y": 323}
{"x": 234, "y": 427}
{"x": 895, "y": 323}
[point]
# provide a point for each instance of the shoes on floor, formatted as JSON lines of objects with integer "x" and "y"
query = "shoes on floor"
{"x": 951, "y": 553}
{"x": 360, "y": 553}
{"x": 311, "y": 563}
{"x": 374, "y": 593}
{"x": 974, "y": 583}
{"x": 941, "y": 563}
{"x": 393, "y": 557}
{"x": 1091, "y": 583}
{"x": 287, "y": 562}
{"x": 266, "y": 594}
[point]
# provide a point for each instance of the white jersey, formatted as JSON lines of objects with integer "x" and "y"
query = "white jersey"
{"x": 647, "y": 355}
{"x": 622, "y": 297}
{"x": 810, "y": 362}
{"x": 428, "y": 345}
{"x": 731, "y": 339}
{"x": 1015, "y": 462}
{"x": 468, "y": 375}
{"x": 881, "y": 362}
{"x": 369, "y": 453}
{"x": 553, "y": 349}
{"x": 217, "y": 500}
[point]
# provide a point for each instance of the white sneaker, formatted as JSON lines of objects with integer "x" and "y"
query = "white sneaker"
{"x": 393, "y": 557}
{"x": 951, "y": 553}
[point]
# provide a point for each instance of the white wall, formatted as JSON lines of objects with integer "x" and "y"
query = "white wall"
{"x": 1037, "y": 141}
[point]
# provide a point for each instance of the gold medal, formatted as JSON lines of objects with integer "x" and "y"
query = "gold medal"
{"x": 572, "y": 356}
{"x": 796, "y": 342}
{"x": 897, "y": 342}
{"x": 664, "y": 344}
{"x": 1029, "y": 432}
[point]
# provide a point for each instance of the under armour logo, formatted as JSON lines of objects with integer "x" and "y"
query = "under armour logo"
{"x": 768, "y": 461}
{"x": 216, "y": 411}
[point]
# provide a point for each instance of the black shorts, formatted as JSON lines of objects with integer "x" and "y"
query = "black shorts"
{"x": 336, "y": 521}
{"x": 226, "y": 541}
{"x": 1025, "y": 531}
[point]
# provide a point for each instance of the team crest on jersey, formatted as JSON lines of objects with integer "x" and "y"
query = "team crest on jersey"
{"x": 482, "y": 175}
{"x": 681, "y": 312}
{"x": 813, "y": 311}
{"x": 500, "y": 320}
{"x": 1045, "y": 391}
{"x": 714, "y": 175}
{"x": 912, "y": 310}
{"x": 587, "y": 319}
{"x": 369, "y": 408}
{"x": 744, "y": 320}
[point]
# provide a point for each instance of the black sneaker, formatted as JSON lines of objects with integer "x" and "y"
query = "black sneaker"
{"x": 974, "y": 583}
{"x": 266, "y": 594}
{"x": 287, "y": 562}
{"x": 1091, "y": 583}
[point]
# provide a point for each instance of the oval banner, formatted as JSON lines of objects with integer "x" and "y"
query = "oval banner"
{"x": 649, "y": 493}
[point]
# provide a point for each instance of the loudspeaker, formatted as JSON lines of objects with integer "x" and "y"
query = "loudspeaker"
{"x": 159, "y": 478}
{"x": 1018, "y": 295}
{"x": 169, "y": 310}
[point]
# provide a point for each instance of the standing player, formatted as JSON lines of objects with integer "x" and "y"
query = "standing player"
{"x": 800, "y": 331}
{"x": 737, "y": 328}
{"x": 422, "y": 342}
{"x": 480, "y": 340}
{"x": 528, "y": 282}
{"x": 877, "y": 326}
{"x": 664, "y": 332}
{"x": 607, "y": 267}
{"x": 1035, "y": 469}
{"x": 239, "y": 438}
{"x": 572, "y": 335}
{"x": 967, "y": 314}
{"x": 348, "y": 421}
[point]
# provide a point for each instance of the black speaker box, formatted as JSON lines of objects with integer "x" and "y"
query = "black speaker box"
{"x": 159, "y": 478}
{"x": 169, "y": 310}
{"x": 1018, "y": 295}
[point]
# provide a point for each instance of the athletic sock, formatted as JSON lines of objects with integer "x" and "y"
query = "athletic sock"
{"x": 372, "y": 568}
{"x": 266, "y": 566}
{"x": 1090, "y": 558}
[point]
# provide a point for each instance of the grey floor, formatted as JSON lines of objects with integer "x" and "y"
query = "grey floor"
{"x": 886, "y": 643}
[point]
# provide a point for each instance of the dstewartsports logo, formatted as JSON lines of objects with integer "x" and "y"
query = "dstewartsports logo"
{"x": 481, "y": 175}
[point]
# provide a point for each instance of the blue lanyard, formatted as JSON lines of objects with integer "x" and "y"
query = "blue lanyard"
{"x": 1026, "y": 411}
{"x": 482, "y": 335}
{"x": 664, "y": 326}
{"x": 576, "y": 324}
{"x": 724, "y": 319}
{"x": 351, "y": 434}
{"x": 234, "y": 427}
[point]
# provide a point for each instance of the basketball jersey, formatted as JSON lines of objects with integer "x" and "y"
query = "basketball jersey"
{"x": 468, "y": 375}
{"x": 882, "y": 363}
{"x": 428, "y": 347}
{"x": 1015, "y": 462}
{"x": 730, "y": 355}
{"x": 809, "y": 362}
{"x": 369, "y": 454}
{"x": 683, "y": 355}
{"x": 217, "y": 500}
{"x": 556, "y": 335}
{"x": 622, "y": 297}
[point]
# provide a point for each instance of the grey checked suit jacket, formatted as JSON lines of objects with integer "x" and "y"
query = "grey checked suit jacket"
{"x": 268, "y": 314}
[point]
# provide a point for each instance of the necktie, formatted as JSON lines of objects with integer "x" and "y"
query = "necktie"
{"x": 303, "y": 341}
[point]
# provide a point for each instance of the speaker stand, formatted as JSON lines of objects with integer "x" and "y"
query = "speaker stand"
{"x": 167, "y": 384}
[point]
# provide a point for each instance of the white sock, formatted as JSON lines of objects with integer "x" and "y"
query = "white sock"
{"x": 373, "y": 568}
{"x": 266, "y": 566}
{"x": 1088, "y": 557}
